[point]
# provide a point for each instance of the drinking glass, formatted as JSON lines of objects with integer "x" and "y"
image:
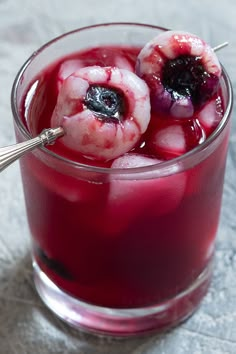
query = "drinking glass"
{"x": 120, "y": 251}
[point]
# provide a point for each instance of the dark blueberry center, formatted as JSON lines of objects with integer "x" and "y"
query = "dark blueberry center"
{"x": 53, "y": 264}
{"x": 106, "y": 103}
{"x": 185, "y": 76}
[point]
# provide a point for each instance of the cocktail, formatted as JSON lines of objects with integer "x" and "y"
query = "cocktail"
{"x": 123, "y": 209}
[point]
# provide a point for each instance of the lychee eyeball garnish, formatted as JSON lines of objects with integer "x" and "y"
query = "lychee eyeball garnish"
{"x": 181, "y": 70}
{"x": 103, "y": 110}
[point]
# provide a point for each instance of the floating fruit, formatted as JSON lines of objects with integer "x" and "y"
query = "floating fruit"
{"x": 181, "y": 70}
{"x": 103, "y": 110}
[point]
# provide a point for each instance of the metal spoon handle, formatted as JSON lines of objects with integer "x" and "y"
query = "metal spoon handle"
{"x": 11, "y": 153}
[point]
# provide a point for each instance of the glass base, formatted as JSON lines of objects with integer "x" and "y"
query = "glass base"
{"x": 121, "y": 322}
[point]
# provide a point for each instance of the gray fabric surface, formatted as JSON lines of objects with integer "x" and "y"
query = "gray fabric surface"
{"x": 26, "y": 326}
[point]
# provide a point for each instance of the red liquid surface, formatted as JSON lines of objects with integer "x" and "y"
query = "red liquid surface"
{"x": 119, "y": 244}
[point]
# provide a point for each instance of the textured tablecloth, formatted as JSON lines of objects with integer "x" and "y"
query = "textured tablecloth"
{"x": 26, "y": 326}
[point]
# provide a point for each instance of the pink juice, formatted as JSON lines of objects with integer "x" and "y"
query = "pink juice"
{"x": 105, "y": 243}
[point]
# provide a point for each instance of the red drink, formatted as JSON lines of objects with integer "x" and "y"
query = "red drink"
{"x": 120, "y": 240}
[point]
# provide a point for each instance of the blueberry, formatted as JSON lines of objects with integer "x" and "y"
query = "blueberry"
{"x": 53, "y": 264}
{"x": 106, "y": 103}
{"x": 185, "y": 76}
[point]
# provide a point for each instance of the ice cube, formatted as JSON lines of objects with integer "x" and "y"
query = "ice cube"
{"x": 210, "y": 115}
{"x": 146, "y": 195}
{"x": 169, "y": 141}
{"x": 67, "y": 68}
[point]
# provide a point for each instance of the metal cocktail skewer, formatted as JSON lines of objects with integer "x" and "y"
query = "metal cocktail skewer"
{"x": 11, "y": 153}
{"x": 220, "y": 46}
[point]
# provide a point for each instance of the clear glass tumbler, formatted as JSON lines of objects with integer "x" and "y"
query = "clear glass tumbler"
{"x": 135, "y": 263}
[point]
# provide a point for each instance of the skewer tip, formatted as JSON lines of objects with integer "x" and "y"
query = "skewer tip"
{"x": 220, "y": 46}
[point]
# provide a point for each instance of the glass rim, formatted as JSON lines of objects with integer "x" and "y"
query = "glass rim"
{"x": 163, "y": 165}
